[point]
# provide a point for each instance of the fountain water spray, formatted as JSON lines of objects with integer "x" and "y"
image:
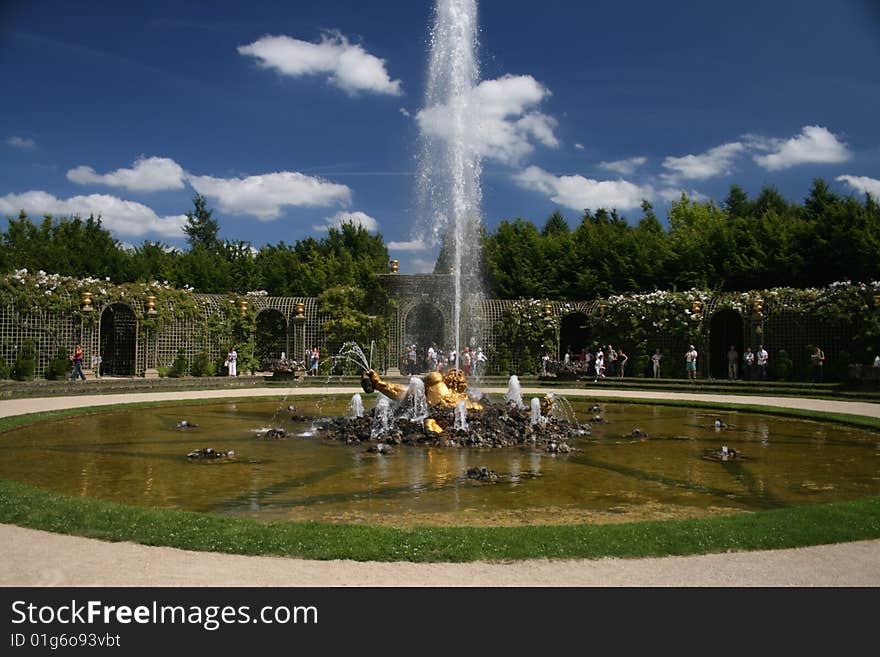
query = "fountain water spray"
{"x": 356, "y": 406}
{"x": 449, "y": 169}
{"x": 514, "y": 392}
{"x": 382, "y": 419}
{"x": 352, "y": 352}
{"x": 461, "y": 416}
{"x": 536, "y": 417}
{"x": 416, "y": 401}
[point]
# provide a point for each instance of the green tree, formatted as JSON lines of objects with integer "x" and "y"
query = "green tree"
{"x": 201, "y": 228}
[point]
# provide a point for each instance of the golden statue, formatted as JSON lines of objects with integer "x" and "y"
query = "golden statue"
{"x": 443, "y": 390}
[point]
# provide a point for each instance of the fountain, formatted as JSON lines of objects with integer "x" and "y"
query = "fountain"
{"x": 449, "y": 169}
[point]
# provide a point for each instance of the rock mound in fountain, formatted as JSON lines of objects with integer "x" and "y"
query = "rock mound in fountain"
{"x": 497, "y": 425}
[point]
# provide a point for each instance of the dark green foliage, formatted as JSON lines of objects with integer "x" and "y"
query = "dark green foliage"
{"x": 201, "y": 228}
{"x": 60, "y": 366}
{"x": 781, "y": 366}
{"x": 741, "y": 245}
{"x": 180, "y": 364}
{"x": 5, "y": 369}
{"x": 25, "y": 362}
{"x": 203, "y": 365}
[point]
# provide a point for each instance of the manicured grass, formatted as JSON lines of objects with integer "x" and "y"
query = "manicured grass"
{"x": 28, "y": 506}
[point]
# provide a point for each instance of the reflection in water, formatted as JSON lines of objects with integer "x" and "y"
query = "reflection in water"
{"x": 137, "y": 456}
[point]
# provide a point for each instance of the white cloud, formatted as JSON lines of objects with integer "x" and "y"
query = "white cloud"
{"x": 815, "y": 145}
{"x": 421, "y": 266}
{"x": 355, "y": 218}
{"x": 405, "y": 112}
{"x": 349, "y": 67}
{"x": 146, "y": 175}
{"x": 714, "y": 162}
{"x": 581, "y": 193}
{"x": 862, "y": 184}
{"x": 579, "y": 146}
{"x": 21, "y": 142}
{"x": 625, "y": 167}
{"x": 501, "y": 124}
{"x": 117, "y": 215}
{"x": 671, "y": 194}
{"x": 412, "y": 245}
{"x": 263, "y": 196}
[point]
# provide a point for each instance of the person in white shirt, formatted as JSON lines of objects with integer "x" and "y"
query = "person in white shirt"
{"x": 600, "y": 365}
{"x": 762, "y": 357}
{"x": 690, "y": 363}
{"x": 748, "y": 364}
{"x": 655, "y": 359}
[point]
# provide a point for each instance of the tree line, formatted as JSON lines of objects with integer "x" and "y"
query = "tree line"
{"x": 742, "y": 244}
{"x": 346, "y": 256}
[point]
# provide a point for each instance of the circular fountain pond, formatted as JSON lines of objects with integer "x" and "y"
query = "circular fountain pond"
{"x": 674, "y": 470}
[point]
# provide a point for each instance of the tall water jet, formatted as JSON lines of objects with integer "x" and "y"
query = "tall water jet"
{"x": 449, "y": 167}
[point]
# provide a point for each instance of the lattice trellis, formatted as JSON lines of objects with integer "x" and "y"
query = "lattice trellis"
{"x": 776, "y": 325}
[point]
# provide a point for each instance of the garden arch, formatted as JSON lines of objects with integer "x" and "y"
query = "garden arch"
{"x": 118, "y": 340}
{"x": 424, "y": 325}
{"x": 271, "y": 335}
{"x": 574, "y": 332}
{"x": 725, "y": 328}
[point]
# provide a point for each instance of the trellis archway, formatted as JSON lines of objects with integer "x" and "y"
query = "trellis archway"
{"x": 271, "y": 335}
{"x": 423, "y": 326}
{"x": 574, "y": 334}
{"x": 118, "y": 340}
{"x": 726, "y": 328}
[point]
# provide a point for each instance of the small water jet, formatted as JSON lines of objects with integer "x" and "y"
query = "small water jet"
{"x": 461, "y": 416}
{"x": 514, "y": 392}
{"x": 355, "y": 406}
{"x": 536, "y": 417}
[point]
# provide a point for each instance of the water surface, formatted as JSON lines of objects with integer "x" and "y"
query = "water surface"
{"x": 138, "y": 456}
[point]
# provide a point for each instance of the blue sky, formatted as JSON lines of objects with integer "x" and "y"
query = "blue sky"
{"x": 290, "y": 116}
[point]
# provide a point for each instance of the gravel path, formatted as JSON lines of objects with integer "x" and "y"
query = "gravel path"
{"x": 37, "y": 558}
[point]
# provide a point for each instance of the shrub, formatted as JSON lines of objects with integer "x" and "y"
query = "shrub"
{"x": 781, "y": 366}
{"x": 60, "y": 366}
{"x": 5, "y": 369}
{"x": 203, "y": 365}
{"x": 180, "y": 364}
{"x": 26, "y": 362}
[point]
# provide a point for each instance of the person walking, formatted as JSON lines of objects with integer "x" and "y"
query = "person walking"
{"x": 690, "y": 363}
{"x": 817, "y": 358}
{"x": 77, "y": 359}
{"x": 232, "y": 361}
{"x": 761, "y": 358}
{"x": 732, "y": 363}
{"x": 655, "y": 361}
